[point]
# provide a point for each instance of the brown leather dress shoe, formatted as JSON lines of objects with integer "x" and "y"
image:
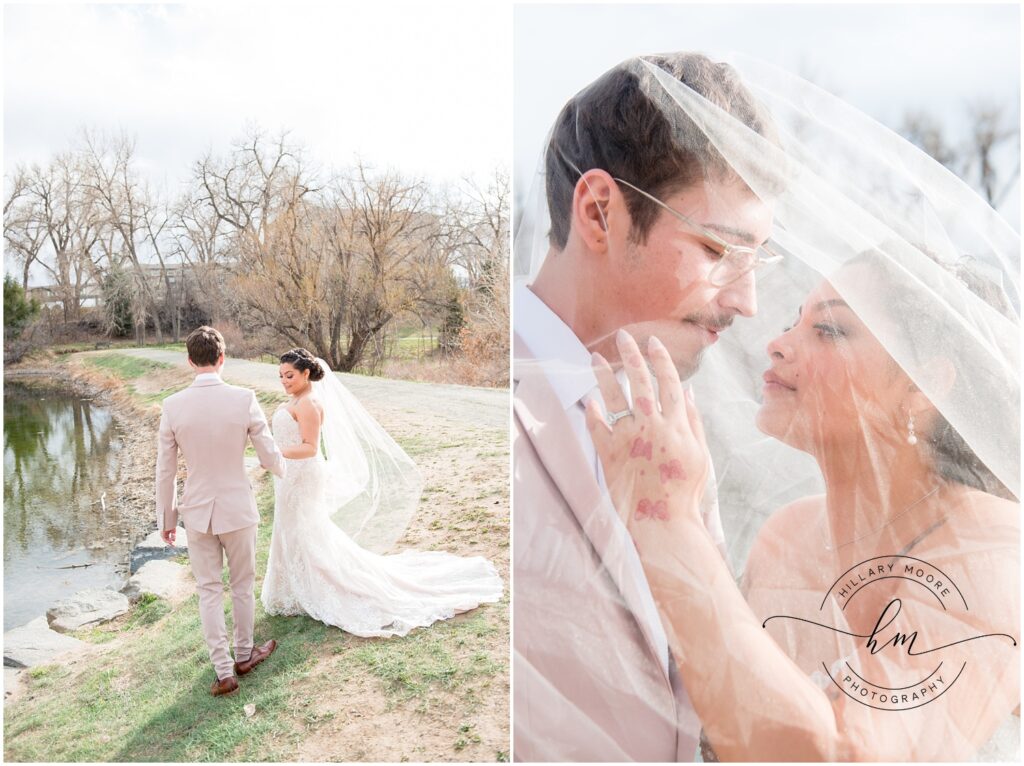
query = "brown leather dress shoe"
{"x": 259, "y": 653}
{"x": 224, "y": 686}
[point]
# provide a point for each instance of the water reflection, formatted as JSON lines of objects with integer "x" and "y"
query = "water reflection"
{"x": 61, "y": 527}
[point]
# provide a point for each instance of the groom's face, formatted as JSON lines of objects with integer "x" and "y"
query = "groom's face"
{"x": 661, "y": 286}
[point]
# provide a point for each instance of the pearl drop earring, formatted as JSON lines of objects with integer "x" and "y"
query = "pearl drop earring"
{"x": 911, "y": 435}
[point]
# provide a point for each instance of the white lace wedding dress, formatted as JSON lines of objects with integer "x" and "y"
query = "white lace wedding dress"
{"x": 317, "y": 570}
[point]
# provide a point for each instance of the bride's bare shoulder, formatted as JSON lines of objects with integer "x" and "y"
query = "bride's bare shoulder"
{"x": 792, "y": 517}
{"x": 991, "y": 506}
{"x": 783, "y": 530}
{"x": 987, "y": 521}
{"x": 308, "y": 404}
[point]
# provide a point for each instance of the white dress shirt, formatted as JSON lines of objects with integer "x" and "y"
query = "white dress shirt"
{"x": 565, "y": 362}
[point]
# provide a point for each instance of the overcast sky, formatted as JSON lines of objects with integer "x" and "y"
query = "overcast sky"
{"x": 884, "y": 59}
{"x": 425, "y": 87}
{"x": 420, "y": 87}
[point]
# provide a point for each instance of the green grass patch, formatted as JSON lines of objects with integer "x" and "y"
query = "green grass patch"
{"x": 156, "y": 397}
{"x": 124, "y": 366}
{"x": 64, "y": 349}
{"x": 100, "y": 634}
{"x": 271, "y": 398}
{"x": 441, "y": 657}
{"x": 148, "y": 610}
{"x": 180, "y": 346}
{"x": 419, "y": 445}
{"x": 147, "y": 698}
{"x": 47, "y": 672}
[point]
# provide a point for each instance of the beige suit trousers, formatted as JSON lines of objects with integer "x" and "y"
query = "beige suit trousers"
{"x": 206, "y": 552}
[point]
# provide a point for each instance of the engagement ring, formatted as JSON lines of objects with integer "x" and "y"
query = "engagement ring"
{"x": 613, "y": 417}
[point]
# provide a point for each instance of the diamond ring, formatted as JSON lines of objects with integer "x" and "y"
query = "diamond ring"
{"x": 614, "y": 417}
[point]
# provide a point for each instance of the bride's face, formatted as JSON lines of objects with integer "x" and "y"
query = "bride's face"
{"x": 293, "y": 380}
{"x": 831, "y": 382}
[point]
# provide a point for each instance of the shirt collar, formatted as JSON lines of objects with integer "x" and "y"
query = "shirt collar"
{"x": 207, "y": 376}
{"x": 562, "y": 357}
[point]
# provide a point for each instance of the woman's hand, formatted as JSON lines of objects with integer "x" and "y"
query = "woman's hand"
{"x": 655, "y": 461}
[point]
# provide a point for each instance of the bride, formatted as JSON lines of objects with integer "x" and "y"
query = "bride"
{"x": 874, "y": 504}
{"x": 899, "y": 376}
{"x": 822, "y": 396}
{"x": 366, "y": 486}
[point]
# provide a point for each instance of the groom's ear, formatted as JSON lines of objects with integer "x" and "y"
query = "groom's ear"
{"x": 591, "y": 209}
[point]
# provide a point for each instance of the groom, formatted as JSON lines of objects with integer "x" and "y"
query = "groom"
{"x": 210, "y": 423}
{"x": 595, "y": 680}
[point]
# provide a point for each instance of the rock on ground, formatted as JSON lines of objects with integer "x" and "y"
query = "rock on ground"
{"x": 153, "y": 548}
{"x": 35, "y": 644}
{"x": 87, "y": 607}
{"x": 164, "y": 579}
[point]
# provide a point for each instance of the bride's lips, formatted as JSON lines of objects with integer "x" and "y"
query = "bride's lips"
{"x": 773, "y": 382}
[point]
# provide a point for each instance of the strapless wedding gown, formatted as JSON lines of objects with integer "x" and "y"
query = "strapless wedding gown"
{"x": 317, "y": 570}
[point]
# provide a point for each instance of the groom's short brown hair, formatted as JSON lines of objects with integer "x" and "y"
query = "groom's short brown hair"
{"x": 205, "y": 346}
{"x": 613, "y": 125}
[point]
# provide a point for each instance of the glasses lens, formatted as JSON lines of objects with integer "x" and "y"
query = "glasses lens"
{"x": 734, "y": 264}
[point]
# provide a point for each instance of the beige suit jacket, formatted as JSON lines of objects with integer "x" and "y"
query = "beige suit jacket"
{"x": 210, "y": 423}
{"x": 590, "y": 683}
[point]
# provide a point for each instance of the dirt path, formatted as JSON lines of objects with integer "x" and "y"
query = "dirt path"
{"x": 427, "y": 402}
{"x": 442, "y": 693}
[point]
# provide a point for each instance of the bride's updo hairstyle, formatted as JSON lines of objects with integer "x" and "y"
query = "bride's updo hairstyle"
{"x": 301, "y": 359}
{"x": 952, "y": 458}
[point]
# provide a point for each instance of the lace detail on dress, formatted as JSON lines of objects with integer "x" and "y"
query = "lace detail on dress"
{"x": 1004, "y": 745}
{"x": 317, "y": 570}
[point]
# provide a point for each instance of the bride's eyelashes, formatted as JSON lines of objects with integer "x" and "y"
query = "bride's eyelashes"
{"x": 829, "y": 331}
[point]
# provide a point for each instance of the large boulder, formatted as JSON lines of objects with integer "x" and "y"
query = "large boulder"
{"x": 153, "y": 548}
{"x": 36, "y": 644}
{"x": 86, "y": 608}
{"x": 165, "y": 579}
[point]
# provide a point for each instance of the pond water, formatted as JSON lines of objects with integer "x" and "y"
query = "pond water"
{"x": 61, "y": 527}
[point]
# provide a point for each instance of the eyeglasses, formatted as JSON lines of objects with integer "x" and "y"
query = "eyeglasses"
{"x": 736, "y": 260}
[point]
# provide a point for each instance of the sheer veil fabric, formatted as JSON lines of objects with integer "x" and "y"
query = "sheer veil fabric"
{"x": 373, "y": 486}
{"x": 360, "y": 491}
{"x": 893, "y": 321}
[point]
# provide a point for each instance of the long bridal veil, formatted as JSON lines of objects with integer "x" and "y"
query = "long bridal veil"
{"x": 923, "y": 261}
{"x": 372, "y": 485}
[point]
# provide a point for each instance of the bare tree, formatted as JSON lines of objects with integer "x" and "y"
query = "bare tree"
{"x": 256, "y": 212}
{"x": 134, "y": 220}
{"x": 387, "y": 245}
{"x": 260, "y": 240}
{"x": 24, "y": 229}
{"x": 923, "y": 130}
{"x": 50, "y": 223}
{"x": 480, "y": 239}
{"x": 990, "y": 130}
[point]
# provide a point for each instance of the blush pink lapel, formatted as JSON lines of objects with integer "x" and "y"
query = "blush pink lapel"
{"x": 546, "y": 425}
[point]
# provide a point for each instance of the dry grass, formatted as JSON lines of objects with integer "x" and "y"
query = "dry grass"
{"x": 439, "y": 694}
